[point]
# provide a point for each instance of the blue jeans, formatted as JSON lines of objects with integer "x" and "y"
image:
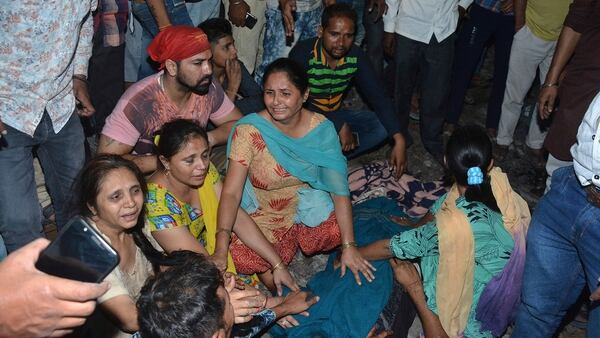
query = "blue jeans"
{"x": 562, "y": 258}
{"x": 482, "y": 26}
{"x": 2, "y": 249}
{"x": 371, "y": 132}
{"x": 430, "y": 66}
{"x": 274, "y": 44}
{"x": 61, "y": 156}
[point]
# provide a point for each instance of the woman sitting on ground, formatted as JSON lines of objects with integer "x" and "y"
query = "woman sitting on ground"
{"x": 470, "y": 245}
{"x": 285, "y": 167}
{"x": 110, "y": 194}
{"x": 184, "y": 194}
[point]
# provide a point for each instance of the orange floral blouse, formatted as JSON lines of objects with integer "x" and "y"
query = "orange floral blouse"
{"x": 275, "y": 189}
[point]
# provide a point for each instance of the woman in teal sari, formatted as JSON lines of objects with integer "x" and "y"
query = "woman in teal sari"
{"x": 286, "y": 169}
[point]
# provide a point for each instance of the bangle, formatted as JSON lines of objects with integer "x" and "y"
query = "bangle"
{"x": 278, "y": 266}
{"x": 161, "y": 28}
{"x": 548, "y": 85}
{"x": 348, "y": 245}
{"x": 224, "y": 230}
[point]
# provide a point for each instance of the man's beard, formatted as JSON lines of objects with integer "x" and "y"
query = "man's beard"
{"x": 200, "y": 88}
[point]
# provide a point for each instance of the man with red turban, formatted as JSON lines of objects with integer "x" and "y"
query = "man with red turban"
{"x": 184, "y": 88}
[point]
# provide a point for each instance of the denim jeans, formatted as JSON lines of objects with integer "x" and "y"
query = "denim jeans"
{"x": 274, "y": 44}
{"x": 2, "y": 249}
{"x": 432, "y": 63}
{"x": 61, "y": 156}
{"x": 371, "y": 132}
{"x": 482, "y": 26}
{"x": 562, "y": 258}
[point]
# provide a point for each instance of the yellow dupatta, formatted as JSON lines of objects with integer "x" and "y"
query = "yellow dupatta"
{"x": 454, "y": 284}
{"x": 210, "y": 205}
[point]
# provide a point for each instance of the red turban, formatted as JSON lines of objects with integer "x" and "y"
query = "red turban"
{"x": 177, "y": 43}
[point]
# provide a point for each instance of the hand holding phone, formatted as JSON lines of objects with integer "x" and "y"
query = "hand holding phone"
{"x": 250, "y": 21}
{"x": 80, "y": 253}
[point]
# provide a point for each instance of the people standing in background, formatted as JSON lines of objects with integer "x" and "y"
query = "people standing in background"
{"x": 488, "y": 19}
{"x": 537, "y": 25}
{"x": 562, "y": 244}
{"x": 43, "y": 89}
{"x": 105, "y": 70}
{"x": 249, "y": 39}
{"x": 572, "y": 82}
{"x": 300, "y": 20}
{"x": 421, "y": 36}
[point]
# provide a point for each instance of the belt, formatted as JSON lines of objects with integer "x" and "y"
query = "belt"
{"x": 593, "y": 194}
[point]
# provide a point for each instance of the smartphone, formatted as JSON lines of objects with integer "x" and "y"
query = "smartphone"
{"x": 80, "y": 253}
{"x": 250, "y": 21}
{"x": 356, "y": 139}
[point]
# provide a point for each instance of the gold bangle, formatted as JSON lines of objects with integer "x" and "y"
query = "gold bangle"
{"x": 348, "y": 245}
{"x": 277, "y": 266}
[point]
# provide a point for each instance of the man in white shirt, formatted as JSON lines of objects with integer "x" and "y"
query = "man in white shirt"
{"x": 562, "y": 243}
{"x": 420, "y": 36}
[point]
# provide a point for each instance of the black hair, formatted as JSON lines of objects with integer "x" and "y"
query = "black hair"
{"x": 295, "y": 73}
{"x": 87, "y": 187}
{"x": 182, "y": 302}
{"x": 469, "y": 146}
{"x": 216, "y": 29}
{"x": 338, "y": 10}
{"x": 176, "y": 134}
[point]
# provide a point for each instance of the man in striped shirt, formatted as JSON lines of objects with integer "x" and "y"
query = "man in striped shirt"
{"x": 333, "y": 64}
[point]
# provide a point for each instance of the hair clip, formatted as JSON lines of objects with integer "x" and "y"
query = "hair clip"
{"x": 474, "y": 176}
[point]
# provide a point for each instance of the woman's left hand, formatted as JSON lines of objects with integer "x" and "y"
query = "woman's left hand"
{"x": 283, "y": 276}
{"x": 353, "y": 260}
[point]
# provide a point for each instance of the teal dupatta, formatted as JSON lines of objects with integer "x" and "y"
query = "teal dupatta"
{"x": 316, "y": 159}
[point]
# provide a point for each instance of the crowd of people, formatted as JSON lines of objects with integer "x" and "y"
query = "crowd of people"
{"x": 207, "y": 141}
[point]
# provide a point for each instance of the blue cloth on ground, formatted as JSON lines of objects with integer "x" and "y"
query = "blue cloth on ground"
{"x": 346, "y": 309}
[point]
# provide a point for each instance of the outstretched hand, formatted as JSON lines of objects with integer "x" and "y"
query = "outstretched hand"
{"x": 353, "y": 260}
{"x": 245, "y": 301}
{"x": 398, "y": 160}
{"x": 281, "y": 277}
